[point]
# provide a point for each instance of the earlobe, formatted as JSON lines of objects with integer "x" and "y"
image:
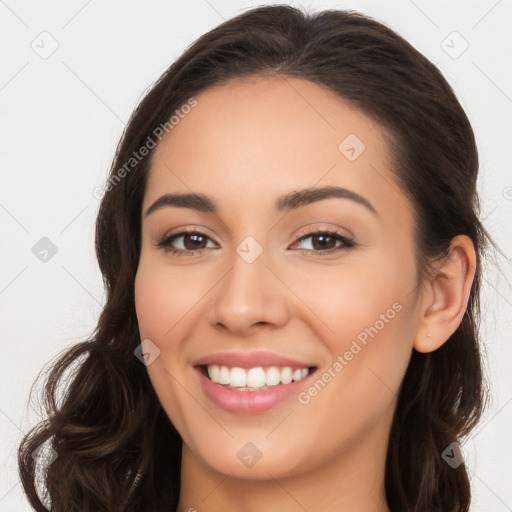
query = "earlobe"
{"x": 447, "y": 295}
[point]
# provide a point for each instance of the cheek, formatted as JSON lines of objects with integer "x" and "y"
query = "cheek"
{"x": 365, "y": 294}
{"x": 164, "y": 306}
{"x": 165, "y": 298}
{"x": 356, "y": 393}
{"x": 365, "y": 312}
{"x": 153, "y": 301}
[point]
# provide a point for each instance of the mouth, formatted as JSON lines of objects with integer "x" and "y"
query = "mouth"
{"x": 258, "y": 378}
{"x": 252, "y": 390}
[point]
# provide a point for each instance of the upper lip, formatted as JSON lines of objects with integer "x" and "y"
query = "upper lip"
{"x": 249, "y": 360}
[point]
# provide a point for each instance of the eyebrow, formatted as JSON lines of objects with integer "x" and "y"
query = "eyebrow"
{"x": 290, "y": 201}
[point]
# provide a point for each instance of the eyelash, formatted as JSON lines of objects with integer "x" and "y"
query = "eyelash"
{"x": 346, "y": 243}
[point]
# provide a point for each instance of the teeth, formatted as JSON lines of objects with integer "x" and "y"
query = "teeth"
{"x": 223, "y": 375}
{"x": 286, "y": 375}
{"x": 238, "y": 378}
{"x": 255, "y": 378}
{"x": 273, "y": 376}
{"x": 214, "y": 373}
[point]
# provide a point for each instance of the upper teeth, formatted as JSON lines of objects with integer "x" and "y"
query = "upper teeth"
{"x": 257, "y": 377}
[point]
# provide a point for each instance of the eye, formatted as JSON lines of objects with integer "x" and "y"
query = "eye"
{"x": 325, "y": 242}
{"x": 193, "y": 243}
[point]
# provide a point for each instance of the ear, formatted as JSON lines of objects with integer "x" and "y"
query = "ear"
{"x": 446, "y": 295}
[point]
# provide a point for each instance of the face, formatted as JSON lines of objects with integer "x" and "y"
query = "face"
{"x": 261, "y": 285}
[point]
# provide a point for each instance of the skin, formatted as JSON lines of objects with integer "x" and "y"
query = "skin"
{"x": 245, "y": 144}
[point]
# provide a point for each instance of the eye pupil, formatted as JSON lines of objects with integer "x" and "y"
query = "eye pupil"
{"x": 322, "y": 245}
{"x": 197, "y": 240}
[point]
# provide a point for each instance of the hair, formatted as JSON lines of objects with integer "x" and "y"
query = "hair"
{"x": 116, "y": 448}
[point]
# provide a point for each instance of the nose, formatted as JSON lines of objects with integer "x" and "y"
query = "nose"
{"x": 248, "y": 298}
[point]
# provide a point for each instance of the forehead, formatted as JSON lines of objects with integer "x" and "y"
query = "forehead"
{"x": 249, "y": 141}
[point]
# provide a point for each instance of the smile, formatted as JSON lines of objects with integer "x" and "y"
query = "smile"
{"x": 251, "y": 390}
{"x": 254, "y": 379}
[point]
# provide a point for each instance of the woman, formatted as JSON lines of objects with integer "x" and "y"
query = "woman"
{"x": 291, "y": 249}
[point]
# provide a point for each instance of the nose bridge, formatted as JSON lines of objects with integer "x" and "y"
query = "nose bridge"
{"x": 249, "y": 293}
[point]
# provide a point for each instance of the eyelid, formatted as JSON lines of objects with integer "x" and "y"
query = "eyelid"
{"x": 325, "y": 229}
{"x": 187, "y": 230}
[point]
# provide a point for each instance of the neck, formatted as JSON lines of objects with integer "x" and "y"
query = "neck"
{"x": 352, "y": 482}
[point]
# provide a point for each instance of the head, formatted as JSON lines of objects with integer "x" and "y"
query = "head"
{"x": 255, "y": 112}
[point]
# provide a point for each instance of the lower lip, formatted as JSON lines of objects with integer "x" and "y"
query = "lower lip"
{"x": 249, "y": 402}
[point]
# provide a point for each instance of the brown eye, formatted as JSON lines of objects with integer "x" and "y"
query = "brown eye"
{"x": 325, "y": 242}
{"x": 194, "y": 241}
{"x": 186, "y": 242}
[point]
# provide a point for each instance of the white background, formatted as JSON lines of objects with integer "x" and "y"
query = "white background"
{"x": 61, "y": 118}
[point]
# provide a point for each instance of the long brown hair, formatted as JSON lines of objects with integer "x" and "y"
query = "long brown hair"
{"x": 116, "y": 448}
